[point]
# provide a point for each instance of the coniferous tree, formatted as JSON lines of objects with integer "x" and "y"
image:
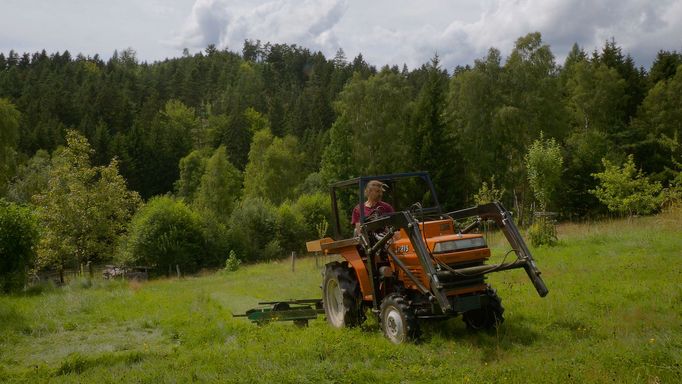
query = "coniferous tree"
{"x": 473, "y": 97}
{"x": 658, "y": 146}
{"x": 9, "y": 138}
{"x": 664, "y": 66}
{"x": 433, "y": 150}
{"x": 612, "y": 56}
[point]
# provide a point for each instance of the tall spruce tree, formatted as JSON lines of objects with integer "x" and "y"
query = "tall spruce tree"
{"x": 433, "y": 149}
{"x": 9, "y": 138}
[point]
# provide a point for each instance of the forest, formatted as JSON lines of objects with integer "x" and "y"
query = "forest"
{"x": 228, "y": 155}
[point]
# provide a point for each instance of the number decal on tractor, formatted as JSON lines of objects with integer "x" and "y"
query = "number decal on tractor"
{"x": 403, "y": 249}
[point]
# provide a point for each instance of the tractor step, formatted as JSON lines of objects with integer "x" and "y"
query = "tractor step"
{"x": 298, "y": 311}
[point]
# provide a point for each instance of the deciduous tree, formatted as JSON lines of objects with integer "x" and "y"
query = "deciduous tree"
{"x": 544, "y": 165}
{"x": 192, "y": 168}
{"x": 274, "y": 168}
{"x": 220, "y": 187}
{"x": 18, "y": 238}
{"x": 84, "y": 209}
{"x": 626, "y": 190}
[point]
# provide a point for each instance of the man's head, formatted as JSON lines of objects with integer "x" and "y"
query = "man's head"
{"x": 374, "y": 190}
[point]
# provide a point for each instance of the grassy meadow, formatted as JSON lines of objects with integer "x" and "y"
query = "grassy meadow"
{"x": 613, "y": 314}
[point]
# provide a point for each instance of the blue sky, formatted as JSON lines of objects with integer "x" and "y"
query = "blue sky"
{"x": 384, "y": 31}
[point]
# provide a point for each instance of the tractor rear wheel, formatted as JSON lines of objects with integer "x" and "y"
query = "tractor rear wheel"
{"x": 398, "y": 320}
{"x": 341, "y": 296}
{"x": 490, "y": 316}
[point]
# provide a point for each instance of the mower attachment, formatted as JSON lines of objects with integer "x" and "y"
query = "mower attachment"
{"x": 298, "y": 311}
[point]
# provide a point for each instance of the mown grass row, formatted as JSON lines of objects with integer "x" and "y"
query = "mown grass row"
{"x": 613, "y": 315}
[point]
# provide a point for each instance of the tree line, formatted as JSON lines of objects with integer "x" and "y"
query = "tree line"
{"x": 245, "y": 143}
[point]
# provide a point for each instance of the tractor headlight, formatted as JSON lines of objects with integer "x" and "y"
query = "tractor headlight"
{"x": 459, "y": 245}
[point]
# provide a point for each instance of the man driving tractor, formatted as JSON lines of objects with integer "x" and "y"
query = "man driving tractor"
{"x": 374, "y": 192}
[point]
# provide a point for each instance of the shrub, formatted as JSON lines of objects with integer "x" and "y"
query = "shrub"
{"x": 544, "y": 164}
{"x": 673, "y": 194}
{"x": 163, "y": 233}
{"x": 626, "y": 190}
{"x": 302, "y": 221}
{"x": 18, "y": 238}
{"x": 273, "y": 250}
{"x": 232, "y": 263}
{"x": 542, "y": 232}
{"x": 253, "y": 229}
{"x": 488, "y": 193}
{"x": 313, "y": 183}
{"x": 314, "y": 209}
{"x": 217, "y": 241}
{"x": 290, "y": 227}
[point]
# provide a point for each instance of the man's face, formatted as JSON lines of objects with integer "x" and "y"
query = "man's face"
{"x": 375, "y": 193}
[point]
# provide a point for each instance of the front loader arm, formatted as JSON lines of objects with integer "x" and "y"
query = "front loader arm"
{"x": 502, "y": 217}
{"x": 404, "y": 220}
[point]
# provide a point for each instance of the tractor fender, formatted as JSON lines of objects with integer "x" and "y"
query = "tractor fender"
{"x": 348, "y": 249}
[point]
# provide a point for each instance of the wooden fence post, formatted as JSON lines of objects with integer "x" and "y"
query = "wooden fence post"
{"x": 293, "y": 261}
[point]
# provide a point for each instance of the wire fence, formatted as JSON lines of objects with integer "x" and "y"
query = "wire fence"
{"x": 90, "y": 271}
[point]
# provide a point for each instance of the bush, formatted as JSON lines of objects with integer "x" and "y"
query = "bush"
{"x": 18, "y": 238}
{"x": 626, "y": 190}
{"x": 542, "y": 232}
{"x": 232, "y": 263}
{"x": 302, "y": 221}
{"x": 163, "y": 233}
{"x": 217, "y": 242}
{"x": 290, "y": 227}
{"x": 488, "y": 193}
{"x": 314, "y": 210}
{"x": 544, "y": 164}
{"x": 259, "y": 231}
{"x": 313, "y": 183}
{"x": 672, "y": 196}
{"x": 253, "y": 230}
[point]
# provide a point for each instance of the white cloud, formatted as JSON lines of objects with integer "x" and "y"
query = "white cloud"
{"x": 308, "y": 23}
{"x": 632, "y": 23}
{"x": 639, "y": 27}
{"x": 384, "y": 31}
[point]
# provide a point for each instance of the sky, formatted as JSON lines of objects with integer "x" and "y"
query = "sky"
{"x": 385, "y": 32}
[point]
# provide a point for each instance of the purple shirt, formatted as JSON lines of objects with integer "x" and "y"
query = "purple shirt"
{"x": 380, "y": 207}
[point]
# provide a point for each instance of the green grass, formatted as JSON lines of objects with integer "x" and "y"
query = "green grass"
{"x": 613, "y": 314}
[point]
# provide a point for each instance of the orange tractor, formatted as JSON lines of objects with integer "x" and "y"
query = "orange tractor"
{"x": 417, "y": 263}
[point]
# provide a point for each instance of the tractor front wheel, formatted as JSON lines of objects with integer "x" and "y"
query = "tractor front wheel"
{"x": 487, "y": 317}
{"x": 341, "y": 296}
{"x": 398, "y": 320}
